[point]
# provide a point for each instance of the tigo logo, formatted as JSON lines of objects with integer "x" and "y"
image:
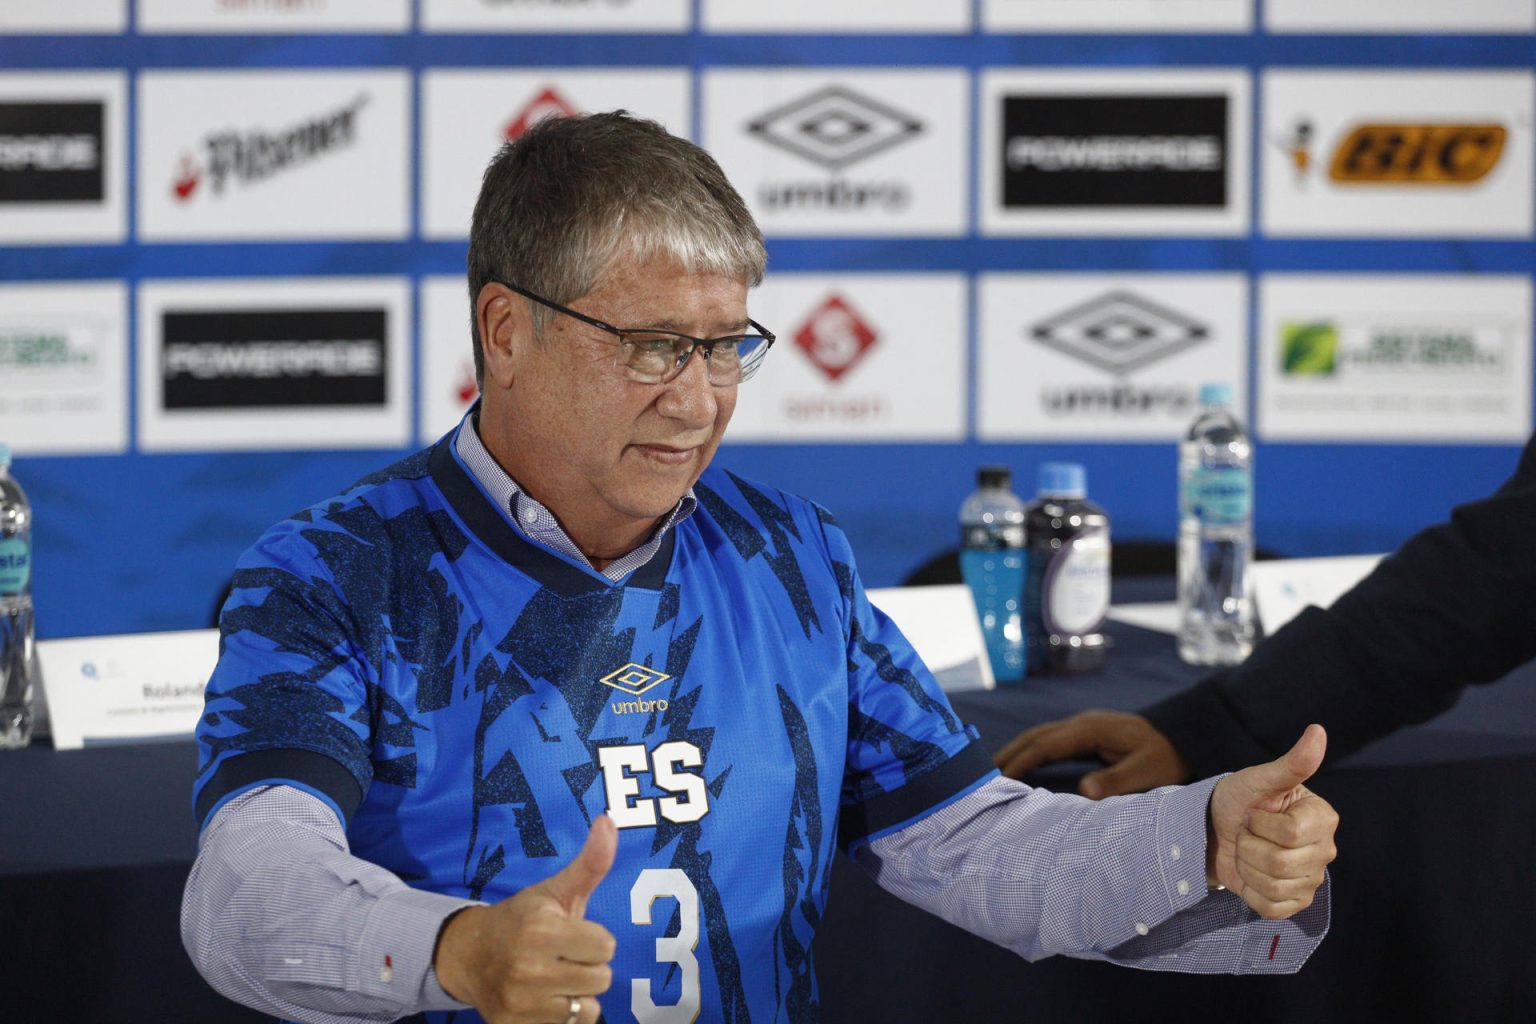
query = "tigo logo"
{"x": 835, "y": 337}
{"x": 1309, "y": 349}
{"x": 1119, "y": 332}
{"x": 548, "y": 103}
{"x": 834, "y": 127}
{"x": 1418, "y": 154}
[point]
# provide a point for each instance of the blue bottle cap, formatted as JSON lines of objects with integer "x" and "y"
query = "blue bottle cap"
{"x": 1216, "y": 393}
{"x": 1062, "y": 480}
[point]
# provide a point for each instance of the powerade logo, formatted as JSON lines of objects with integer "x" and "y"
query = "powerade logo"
{"x": 250, "y": 157}
{"x": 51, "y": 153}
{"x": 320, "y": 358}
{"x": 15, "y": 564}
{"x": 1114, "y": 151}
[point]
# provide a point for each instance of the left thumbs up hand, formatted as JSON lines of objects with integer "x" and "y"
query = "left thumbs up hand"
{"x": 1270, "y": 837}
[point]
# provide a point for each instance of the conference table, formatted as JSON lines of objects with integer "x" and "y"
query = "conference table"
{"x": 1434, "y": 890}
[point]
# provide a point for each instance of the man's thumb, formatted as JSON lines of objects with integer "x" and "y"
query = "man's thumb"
{"x": 573, "y": 885}
{"x": 1295, "y": 766}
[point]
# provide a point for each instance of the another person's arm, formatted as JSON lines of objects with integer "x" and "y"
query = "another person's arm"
{"x": 1453, "y": 606}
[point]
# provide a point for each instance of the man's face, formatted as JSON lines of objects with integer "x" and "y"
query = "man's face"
{"x": 609, "y": 455}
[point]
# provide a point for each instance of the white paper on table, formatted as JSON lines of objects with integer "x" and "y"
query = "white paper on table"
{"x": 941, "y": 624}
{"x": 1283, "y": 587}
{"x": 126, "y": 689}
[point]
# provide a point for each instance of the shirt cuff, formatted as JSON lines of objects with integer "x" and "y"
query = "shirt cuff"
{"x": 1179, "y": 834}
{"x": 394, "y": 956}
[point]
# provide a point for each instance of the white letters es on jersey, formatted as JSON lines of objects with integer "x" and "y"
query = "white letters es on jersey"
{"x": 625, "y": 766}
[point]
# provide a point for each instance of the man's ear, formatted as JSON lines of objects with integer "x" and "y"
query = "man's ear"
{"x": 506, "y": 329}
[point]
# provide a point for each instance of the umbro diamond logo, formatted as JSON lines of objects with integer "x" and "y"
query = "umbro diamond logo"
{"x": 1119, "y": 332}
{"x": 834, "y": 127}
{"x": 634, "y": 679}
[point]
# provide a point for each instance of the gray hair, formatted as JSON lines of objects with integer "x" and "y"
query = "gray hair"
{"x": 572, "y": 195}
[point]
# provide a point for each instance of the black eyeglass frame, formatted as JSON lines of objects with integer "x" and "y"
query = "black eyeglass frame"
{"x": 747, "y": 370}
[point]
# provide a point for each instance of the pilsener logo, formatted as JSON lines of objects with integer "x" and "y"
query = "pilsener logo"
{"x": 834, "y": 337}
{"x": 548, "y": 103}
{"x": 51, "y": 152}
{"x": 218, "y": 359}
{"x": 1418, "y": 154}
{"x": 247, "y": 158}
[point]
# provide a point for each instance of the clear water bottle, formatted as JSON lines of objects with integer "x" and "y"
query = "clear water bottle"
{"x": 18, "y": 653}
{"x": 1066, "y": 594}
{"x": 992, "y": 565}
{"x": 1216, "y": 623}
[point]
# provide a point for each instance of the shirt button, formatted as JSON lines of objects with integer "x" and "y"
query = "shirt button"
{"x": 1175, "y": 852}
{"x": 1141, "y": 929}
{"x": 530, "y": 514}
{"x": 1183, "y": 887}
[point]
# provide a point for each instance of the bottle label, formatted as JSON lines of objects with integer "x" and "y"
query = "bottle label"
{"x": 1076, "y": 586}
{"x": 1219, "y": 495}
{"x": 992, "y": 538}
{"x": 15, "y": 564}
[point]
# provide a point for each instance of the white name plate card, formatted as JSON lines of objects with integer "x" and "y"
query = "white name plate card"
{"x": 941, "y": 625}
{"x": 126, "y": 689}
{"x": 1283, "y": 587}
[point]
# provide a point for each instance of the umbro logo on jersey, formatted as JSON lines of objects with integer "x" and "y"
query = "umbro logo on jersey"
{"x": 634, "y": 679}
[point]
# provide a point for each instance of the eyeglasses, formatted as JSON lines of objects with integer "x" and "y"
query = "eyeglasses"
{"x": 656, "y": 357}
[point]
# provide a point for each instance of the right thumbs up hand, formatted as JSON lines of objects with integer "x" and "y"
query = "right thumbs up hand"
{"x": 529, "y": 958}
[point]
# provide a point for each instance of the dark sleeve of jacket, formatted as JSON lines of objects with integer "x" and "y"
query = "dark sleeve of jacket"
{"x": 1455, "y": 605}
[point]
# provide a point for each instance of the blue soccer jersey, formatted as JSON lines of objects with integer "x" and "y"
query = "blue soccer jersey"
{"x": 468, "y": 701}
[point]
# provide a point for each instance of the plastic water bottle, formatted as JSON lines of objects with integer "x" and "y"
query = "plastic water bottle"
{"x": 18, "y": 655}
{"x": 1216, "y": 624}
{"x": 992, "y": 565}
{"x": 1066, "y": 596}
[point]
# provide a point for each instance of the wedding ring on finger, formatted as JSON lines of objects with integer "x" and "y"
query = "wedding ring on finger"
{"x": 575, "y": 1010}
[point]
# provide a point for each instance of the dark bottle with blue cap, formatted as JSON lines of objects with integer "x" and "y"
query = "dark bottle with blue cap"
{"x": 1066, "y": 589}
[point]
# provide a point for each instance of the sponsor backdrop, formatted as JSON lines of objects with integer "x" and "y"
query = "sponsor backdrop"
{"x": 232, "y": 235}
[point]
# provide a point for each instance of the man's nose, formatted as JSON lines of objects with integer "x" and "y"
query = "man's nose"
{"x": 690, "y": 397}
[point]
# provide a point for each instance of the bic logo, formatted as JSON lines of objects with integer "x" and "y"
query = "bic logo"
{"x": 622, "y": 767}
{"x": 1418, "y": 154}
{"x": 835, "y": 337}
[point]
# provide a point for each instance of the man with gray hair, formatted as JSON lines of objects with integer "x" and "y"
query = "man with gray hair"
{"x": 554, "y": 707}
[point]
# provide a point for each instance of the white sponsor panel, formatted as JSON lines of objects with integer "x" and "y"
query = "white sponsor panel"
{"x": 274, "y": 15}
{"x": 63, "y": 153}
{"x": 843, "y": 151}
{"x": 64, "y": 16}
{"x": 885, "y": 16}
{"x": 1394, "y": 358}
{"x": 1463, "y": 16}
{"x": 859, "y": 357}
{"x": 1397, "y": 153}
{"x": 1117, "y": 15}
{"x": 1115, "y": 152}
{"x": 447, "y": 355}
{"x": 274, "y": 363}
{"x": 556, "y": 15}
{"x": 1105, "y": 356}
{"x": 467, "y": 115}
{"x": 226, "y": 155}
{"x": 64, "y": 367}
